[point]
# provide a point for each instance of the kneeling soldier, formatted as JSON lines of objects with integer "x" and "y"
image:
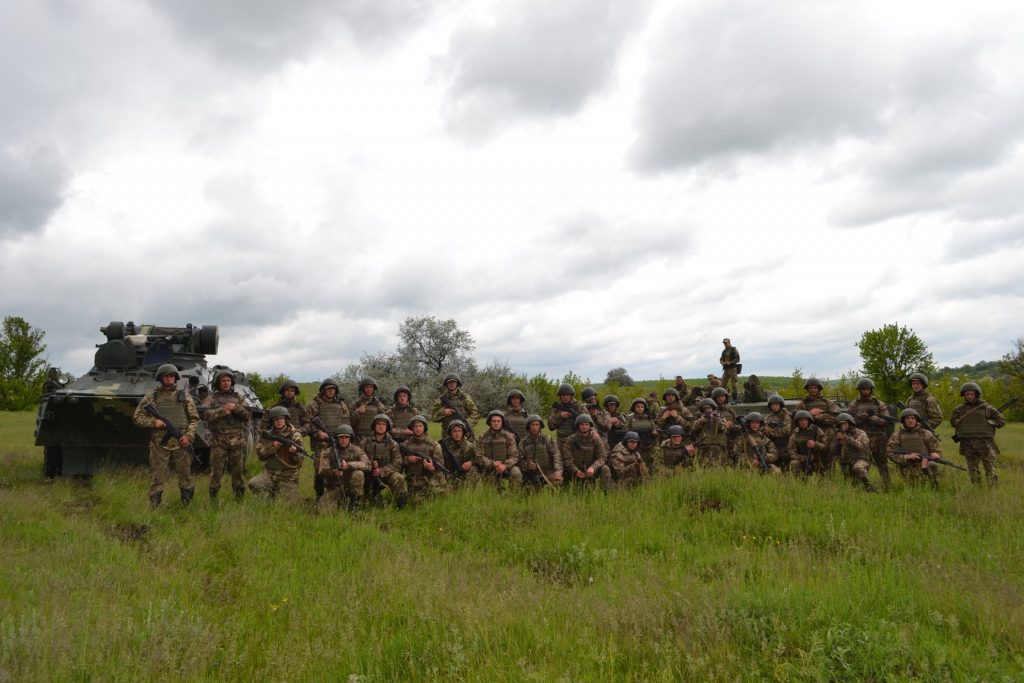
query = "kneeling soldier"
{"x": 676, "y": 452}
{"x": 458, "y": 453}
{"x": 584, "y": 455}
{"x": 976, "y": 423}
{"x": 385, "y": 461}
{"x": 496, "y": 451}
{"x": 910, "y": 447}
{"x": 539, "y": 456}
{"x": 852, "y": 447}
{"x": 421, "y": 452}
{"x": 326, "y": 411}
{"x": 281, "y": 462}
{"x": 177, "y": 406}
{"x": 753, "y": 448}
{"x": 627, "y": 462}
{"x": 343, "y": 469}
{"x": 709, "y": 433}
{"x": 807, "y": 445}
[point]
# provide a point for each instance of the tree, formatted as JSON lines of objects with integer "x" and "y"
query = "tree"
{"x": 619, "y": 376}
{"x": 22, "y": 370}
{"x": 436, "y": 344}
{"x": 890, "y": 355}
{"x": 1013, "y": 363}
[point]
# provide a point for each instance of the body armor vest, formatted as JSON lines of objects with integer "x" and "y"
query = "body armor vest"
{"x": 919, "y": 402}
{"x": 296, "y": 411}
{"x": 812, "y": 433}
{"x": 584, "y": 451}
{"x": 365, "y": 421}
{"x": 975, "y": 425}
{"x": 912, "y": 441}
{"x": 400, "y": 415}
{"x": 535, "y": 448}
{"x": 378, "y": 450}
{"x": 332, "y": 414}
{"x": 567, "y": 428}
{"x": 869, "y": 405}
{"x": 171, "y": 405}
{"x": 516, "y": 421}
{"x": 674, "y": 456}
{"x": 495, "y": 447}
{"x": 643, "y": 425}
{"x": 714, "y": 433}
{"x": 228, "y": 423}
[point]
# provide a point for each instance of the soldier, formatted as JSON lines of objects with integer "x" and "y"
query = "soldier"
{"x": 385, "y": 461}
{"x": 680, "y": 386}
{"x": 177, "y": 406}
{"x": 807, "y": 446}
{"x": 616, "y": 420}
{"x": 778, "y": 425}
{"x": 823, "y": 414}
{"x": 695, "y": 397}
{"x": 564, "y": 413}
{"x": 421, "y": 475}
{"x": 459, "y": 453}
{"x": 401, "y": 412}
{"x": 326, "y": 411}
{"x": 653, "y": 406}
{"x": 673, "y": 412}
{"x": 869, "y": 415}
{"x": 343, "y": 468}
{"x": 906, "y": 447}
{"x": 732, "y": 426}
{"x": 455, "y": 404}
{"x": 976, "y": 423}
{"x": 602, "y": 423}
{"x": 584, "y": 455}
{"x": 643, "y": 422}
{"x": 540, "y": 458}
{"x": 676, "y": 453}
{"x": 281, "y": 462}
{"x": 366, "y": 407}
{"x": 496, "y": 452}
{"x": 226, "y": 419}
{"x": 852, "y": 448}
{"x": 289, "y": 399}
{"x": 709, "y": 435}
{"x": 926, "y": 405}
{"x": 627, "y": 462}
{"x": 713, "y": 383}
{"x": 515, "y": 412}
{"x": 752, "y": 390}
{"x": 753, "y": 445}
{"x": 730, "y": 361}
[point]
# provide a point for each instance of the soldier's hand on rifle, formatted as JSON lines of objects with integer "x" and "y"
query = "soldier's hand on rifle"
{"x": 616, "y": 421}
{"x": 912, "y": 456}
{"x": 412, "y": 459}
{"x": 448, "y": 412}
{"x": 428, "y": 464}
{"x": 184, "y": 441}
{"x": 345, "y": 465}
{"x": 811, "y": 443}
{"x": 361, "y": 409}
{"x": 159, "y": 424}
{"x": 293, "y": 449}
{"x": 590, "y": 473}
{"x": 531, "y": 465}
{"x": 557, "y": 476}
{"x": 229, "y": 406}
{"x": 322, "y": 436}
{"x": 467, "y": 466}
{"x": 500, "y": 467}
{"x": 565, "y": 415}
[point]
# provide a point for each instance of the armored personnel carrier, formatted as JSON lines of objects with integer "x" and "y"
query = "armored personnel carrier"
{"x": 88, "y": 421}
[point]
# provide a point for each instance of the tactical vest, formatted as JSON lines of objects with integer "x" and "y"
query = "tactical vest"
{"x": 868, "y": 405}
{"x": 583, "y": 450}
{"x": 804, "y": 435}
{"x": 516, "y": 421}
{"x": 643, "y": 426}
{"x": 296, "y": 411}
{"x": 274, "y": 462}
{"x": 674, "y": 456}
{"x": 350, "y": 453}
{"x": 670, "y": 421}
{"x": 378, "y": 450}
{"x": 567, "y": 427}
{"x": 229, "y": 423}
{"x": 535, "y": 448}
{"x": 363, "y": 423}
{"x": 458, "y": 403}
{"x": 423, "y": 445}
{"x": 171, "y": 405}
{"x": 615, "y": 433}
{"x": 333, "y": 414}
{"x": 912, "y": 441}
{"x": 495, "y": 447}
{"x": 714, "y": 433}
{"x": 400, "y": 416}
{"x": 975, "y": 425}
{"x": 919, "y": 402}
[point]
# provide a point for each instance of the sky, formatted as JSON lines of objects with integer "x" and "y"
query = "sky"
{"x": 582, "y": 185}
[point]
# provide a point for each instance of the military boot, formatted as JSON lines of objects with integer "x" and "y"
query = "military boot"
{"x": 213, "y": 494}
{"x": 154, "y": 500}
{"x": 186, "y": 496}
{"x": 239, "y": 493}
{"x": 401, "y": 501}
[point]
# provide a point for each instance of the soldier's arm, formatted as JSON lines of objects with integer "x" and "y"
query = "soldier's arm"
{"x": 791, "y": 447}
{"x": 601, "y": 452}
{"x": 893, "y": 445}
{"x": 771, "y": 454}
{"x": 472, "y": 414}
{"x": 192, "y": 414}
{"x": 513, "y": 451}
{"x": 994, "y": 417}
{"x": 554, "y": 419}
{"x": 361, "y": 463}
{"x": 479, "y": 459}
{"x": 437, "y": 412}
{"x": 957, "y": 416}
{"x": 932, "y": 443}
{"x": 395, "y": 462}
{"x": 568, "y": 462}
{"x": 323, "y": 464}
{"x": 934, "y": 413}
{"x": 141, "y": 418}
{"x": 556, "y": 456}
{"x": 614, "y": 462}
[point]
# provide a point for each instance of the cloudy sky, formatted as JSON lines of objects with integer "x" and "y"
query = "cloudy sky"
{"x": 582, "y": 184}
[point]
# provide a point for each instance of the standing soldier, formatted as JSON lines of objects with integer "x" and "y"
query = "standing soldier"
{"x": 680, "y": 386}
{"x": 455, "y": 404}
{"x": 852, "y": 448}
{"x": 676, "y": 452}
{"x": 401, "y": 412}
{"x": 807, "y": 446}
{"x": 627, "y": 462}
{"x": 515, "y": 412}
{"x": 421, "y": 475}
{"x": 366, "y": 407}
{"x": 730, "y": 360}
{"x": 343, "y": 467}
{"x": 289, "y": 399}
{"x": 281, "y": 462}
{"x": 539, "y": 457}
{"x": 496, "y": 451}
{"x": 753, "y": 448}
{"x": 823, "y": 415}
{"x": 653, "y": 406}
{"x": 976, "y": 423}
{"x": 226, "y": 418}
{"x": 459, "y": 453}
{"x": 385, "y": 461}
{"x": 643, "y": 422}
{"x": 584, "y": 455}
{"x": 907, "y": 446}
{"x": 326, "y": 411}
{"x": 564, "y": 413}
{"x": 616, "y": 420}
{"x": 869, "y": 414}
{"x": 732, "y": 426}
{"x": 926, "y": 405}
{"x": 602, "y": 423}
{"x": 178, "y": 410}
{"x": 673, "y": 412}
{"x": 709, "y": 435}
{"x": 778, "y": 425}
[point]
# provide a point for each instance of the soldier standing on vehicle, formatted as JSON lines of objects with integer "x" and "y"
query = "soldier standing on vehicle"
{"x": 976, "y": 423}
{"x": 226, "y": 419}
{"x": 496, "y": 452}
{"x": 422, "y": 476}
{"x": 730, "y": 360}
{"x": 455, "y": 404}
{"x": 907, "y": 446}
{"x": 401, "y": 412}
{"x": 564, "y": 412}
{"x": 385, "y": 460}
{"x": 281, "y": 462}
{"x": 330, "y": 410}
{"x": 584, "y": 455}
{"x": 627, "y": 462}
{"x": 852, "y": 448}
{"x": 343, "y": 467}
{"x": 869, "y": 415}
{"x": 539, "y": 456}
{"x": 366, "y": 407}
{"x": 177, "y": 406}
{"x": 926, "y": 405}
{"x": 778, "y": 425}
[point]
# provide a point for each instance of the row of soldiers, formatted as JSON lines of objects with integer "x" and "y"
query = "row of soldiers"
{"x": 368, "y": 447}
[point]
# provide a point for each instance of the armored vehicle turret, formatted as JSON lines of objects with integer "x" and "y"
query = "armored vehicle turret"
{"x": 88, "y": 421}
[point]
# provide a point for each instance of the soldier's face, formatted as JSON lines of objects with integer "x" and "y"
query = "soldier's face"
{"x": 565, "y": 398}
{"x": 639, "y": 408}
{"x": 865, "y": 393}
{"x": 917, "y": 385}
{"x": 534, "y": 427}
{"x": 344, "y": 440}
{"x": 403, "y": 398}
{"x": 612, "y": 407}
{"x": 289, "y": 393}
{"x": 418, "y": 428}
{"x": 755, "y": 426}
{"x": 329, "y": 391}
{"x": 813, "y": 390}
{"x": 676, "y": 439}
{"x": 279, "y": 422}
{"x": 368, "y": 390}
{"x": 224, "y": 383}
{"x": 452, "y": 385}
{"x": 910, "y": 422}
{"x": 168, "y": 380}
{"x": 495, "y": 423}
{"x": 971, "y": 395}
{"x": 584, "y": 427}
{"x": 515, "y": 402}
{"x": 803, "y": 423}
{"x": 632, "y": 444}
{"x": 456, "y": 433}
{"x": 679, "y": 379}
{"x": 775, "y": 407}
{"x": 844, "y": 426}
{"x": 380, "y": 426}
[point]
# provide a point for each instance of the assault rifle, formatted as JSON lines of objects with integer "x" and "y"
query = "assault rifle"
{"x": 933, "y": 458}
{"x": 567, "y": 407}
{"x": 892, "y": 419}
{"x": 285, "y": 441}
{"x": 456, "y": 415}
{"x": 956, "y": 437}
{"x": 452, "y": 460}
{"x": 170, "y": 431}
{"x": 758, "y": 450}
{"x": 424, "y": 456}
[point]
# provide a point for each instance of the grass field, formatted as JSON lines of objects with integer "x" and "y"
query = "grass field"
{"x": 718, "y": 575}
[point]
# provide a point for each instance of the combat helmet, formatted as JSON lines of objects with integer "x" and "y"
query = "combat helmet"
{"x": 675, "y": 430}
{"x": 775, "y": 398}
{"x": 610, "y": 398}
{"x": 583, "y": 418}
{"x": 588, "y": 393}
{"x": 418, "y": 418}
{"x": 566, "y": 389}
{"x": 844, "y": 417}
{"x": 453, "y": 424}
{"x": 920, "y": 378}
{"x": 971, "y": 386}
{"x": 449, "y": 377}
{"x": 707, "y": 403}
{"x": 401, "y": 389}
{"x": 637, "y": 401}
{"x": 910, "y": 412}
{"x": 814, "y": 382}
{"x": 496, "y": 413}
{"x": 865, "y": 384}
{"x": 673, "y": 392}
{"x": 289, "y": 383}
{"x": 167, "y": 369}
{"x": 343, "y": 430}
{"x": 368, "y": 382}
{"x": 754, "y": 416}
{"x": 381, "y": 417}
{"x": 802, "y": 414}
{"x": 719, "y": 391}
{"x": 279, "y": 411}
{"x": 512, "y": 394}
{"x": 329, "y": 382}
{"x": 223, "y": 373}
{"x": 630, "y": 436}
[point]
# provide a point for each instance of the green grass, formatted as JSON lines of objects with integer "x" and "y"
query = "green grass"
{"x": 710, "y": 576}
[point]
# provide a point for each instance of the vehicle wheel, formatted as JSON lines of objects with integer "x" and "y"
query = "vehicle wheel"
{"x": 53, "y": 461}
{"x": 208, "y": 339}
{"x": 114, "y": 330}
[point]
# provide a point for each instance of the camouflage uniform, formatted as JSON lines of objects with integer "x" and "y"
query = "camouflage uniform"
{"x": 498, "y": 446}
{"x": 778, "y": 427}
{"x": 616, "y": 427}
{"x": 623, "y": 464}
{"x": 602, "y": 421}
{"x": 339, "y": 482}
{"x": 580, "y": 452}
{"x": 674, "y": 413}
{"x": 976, "y": 426}
{"x": 465, "y": 405}
{"x": 227, "y": 439}
{"x": 672, "y": 459}
{"x": 564, "y": 427}
{"x": 745, "y": 456}
{"x": 384, "y": 451}
{"x": 400, "y": 415}
{"x": 164, "y": 452}
{"x": 296, "y": 415}
{"x": 455, "y": 454}
{"x": 854, "y": 455}
{"x": 419, "y": 480}
{"x": 646, "y": 426}
{"x": 280, "y": 475}
{"x": 729, "y": 359}
{"x": 515, "y": 418}
{"x": 712, "y": 441}
{"x": 362, "y": 423}
{"x": 928, "y": 407}
{"x": 868, "y": 416}
{"x": 540, "y": 449}
{"x": 333, "y": 413}
{"x": 804, "y": 458}
{"x": 825, "y": 421}
{"x": 916, "y": 440}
